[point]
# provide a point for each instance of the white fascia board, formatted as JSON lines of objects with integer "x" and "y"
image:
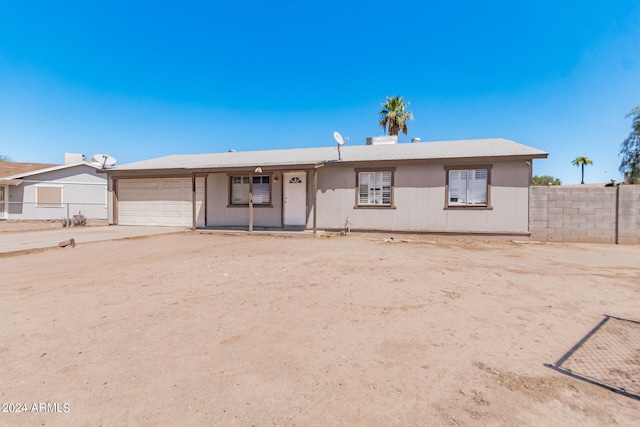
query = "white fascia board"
{"x": 52, "y": 169}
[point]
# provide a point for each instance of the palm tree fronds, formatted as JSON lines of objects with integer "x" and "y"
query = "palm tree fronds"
{"x": 393, "y": 116}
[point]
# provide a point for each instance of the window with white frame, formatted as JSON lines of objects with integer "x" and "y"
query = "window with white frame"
{"x": 261, "y": 188}
{"x": 48, "y": 196}
{"x": 374, "y": 188}
{"x": 468, "y": 187}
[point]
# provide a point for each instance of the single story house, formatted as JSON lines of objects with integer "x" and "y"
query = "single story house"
{"x": 37, "y": 191}
{"x": 466, "y": 186}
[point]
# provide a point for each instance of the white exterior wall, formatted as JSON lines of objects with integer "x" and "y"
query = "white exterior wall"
{"x": 83, "y": 190}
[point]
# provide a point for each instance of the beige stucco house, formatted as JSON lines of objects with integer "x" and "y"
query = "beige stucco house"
{"x": 466, "y": 186}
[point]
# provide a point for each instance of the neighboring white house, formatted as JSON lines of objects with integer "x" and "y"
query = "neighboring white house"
{"x": 33, "y": 191}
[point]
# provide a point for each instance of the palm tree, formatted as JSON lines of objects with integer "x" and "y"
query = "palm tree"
{"x": 393, "y": 116}
{"x": 581, "y": 161}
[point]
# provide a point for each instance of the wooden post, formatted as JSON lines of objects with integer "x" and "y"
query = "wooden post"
{"x": 250, "y": 203}
{"x": 194, "y": 217}
{"x": 65, "y": 243}
{"x": 315, "y": 201}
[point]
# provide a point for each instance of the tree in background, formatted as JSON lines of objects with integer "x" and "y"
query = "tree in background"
{"x": 582, "y": 161}
{"x": 630, "y": 149}
{"x": 546, "y": 180}
{"x": 4, "y": 158}
{"x": 393, "y": 116}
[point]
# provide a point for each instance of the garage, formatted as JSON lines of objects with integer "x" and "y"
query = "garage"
{"x": 154, "y": 201}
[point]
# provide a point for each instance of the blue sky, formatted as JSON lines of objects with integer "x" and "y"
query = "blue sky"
{"x": 140, "y": 80}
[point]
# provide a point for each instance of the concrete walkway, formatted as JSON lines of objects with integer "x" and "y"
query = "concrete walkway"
{"x": 21, "y": 241}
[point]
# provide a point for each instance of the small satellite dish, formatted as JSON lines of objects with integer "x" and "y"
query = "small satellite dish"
{"x": 341, "y": 141}
{"x": 103, "y": 160}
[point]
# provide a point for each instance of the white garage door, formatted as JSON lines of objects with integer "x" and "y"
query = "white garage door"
{"x": 159, "y": 201}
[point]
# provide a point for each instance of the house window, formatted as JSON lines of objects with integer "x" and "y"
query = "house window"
{"x": 375, "y": 188}
{"x": 48, "y": 196}
{"x": 261, "y": 190}
{"x": 468, "y": 187}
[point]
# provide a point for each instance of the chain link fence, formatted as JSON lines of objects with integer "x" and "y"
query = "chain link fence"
{"x": 68, "y": 213}
{"x": 608, "y": 356}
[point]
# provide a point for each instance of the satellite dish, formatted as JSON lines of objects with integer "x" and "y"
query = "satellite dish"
{"x": 103, "y": 160}
{"x": 341, "y": 141}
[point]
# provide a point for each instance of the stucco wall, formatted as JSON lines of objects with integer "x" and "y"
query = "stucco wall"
{"x": 418, "y": 194}
{"x": 419, "y": 199}
{"x": 586, "y": 214}
{"x": 220, "y": 214}
{"x": 83, "y": 190}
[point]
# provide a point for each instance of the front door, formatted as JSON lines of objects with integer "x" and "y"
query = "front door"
{"x": 295, "y": 198}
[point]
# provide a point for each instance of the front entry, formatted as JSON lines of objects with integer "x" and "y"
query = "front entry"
{"x": 295, "y": 198}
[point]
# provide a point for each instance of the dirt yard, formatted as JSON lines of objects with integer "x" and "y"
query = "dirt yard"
{"x": 209, "y": 329}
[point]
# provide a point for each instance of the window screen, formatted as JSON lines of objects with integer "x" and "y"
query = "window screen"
{"x": 240, "y": 190}
{"x": 468, "y": 187}
{"x": 374, "y": 188}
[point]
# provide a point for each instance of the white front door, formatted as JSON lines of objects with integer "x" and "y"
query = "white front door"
{"x": 295, "y": 198}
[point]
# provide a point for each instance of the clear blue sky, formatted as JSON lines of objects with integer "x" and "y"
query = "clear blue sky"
{"x": 140, "y": 80}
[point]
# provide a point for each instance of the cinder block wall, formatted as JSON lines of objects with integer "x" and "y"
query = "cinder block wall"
{"x": 585, "y": 214}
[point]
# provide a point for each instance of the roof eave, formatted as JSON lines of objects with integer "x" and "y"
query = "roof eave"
{"x": 51, "y": 169}
{"x": 16, "y": 182}
{"x": 116, "y": 172}
{"x": 221, "y": 169}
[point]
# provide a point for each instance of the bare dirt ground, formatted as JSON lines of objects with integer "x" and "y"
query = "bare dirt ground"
{"x": 209, "y": 329}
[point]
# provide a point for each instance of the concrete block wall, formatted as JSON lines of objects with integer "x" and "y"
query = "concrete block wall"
{"x": 629, "y": 215}
{"x": 585, "y": 214}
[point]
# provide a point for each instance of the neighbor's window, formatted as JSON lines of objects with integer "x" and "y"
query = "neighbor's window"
{"x": 48, "y": 197}
{"x": 468, "y": 187}
{"x": 374, "y": 188}
{"x": 240, "y": 190}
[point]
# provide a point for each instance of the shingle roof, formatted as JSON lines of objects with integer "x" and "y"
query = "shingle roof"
{"x": 495, "y": 147}
{"x": 8, "y": 169}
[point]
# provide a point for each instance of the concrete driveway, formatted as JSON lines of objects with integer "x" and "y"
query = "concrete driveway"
{"x": 20, "y": 241}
